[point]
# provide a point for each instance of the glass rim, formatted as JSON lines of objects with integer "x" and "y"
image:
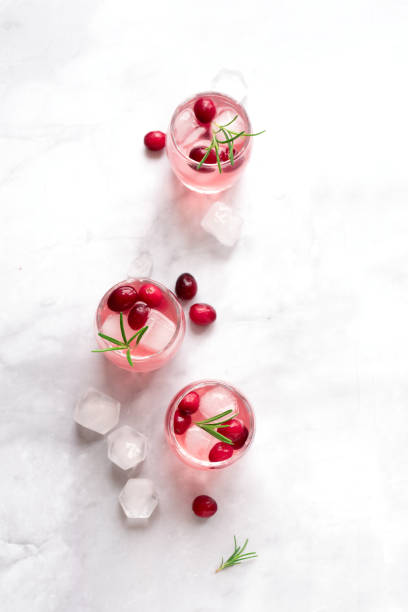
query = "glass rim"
{"x": 223, "y": 164}
{"x": 201, "y": 463}
{"x": 173, "y": 298}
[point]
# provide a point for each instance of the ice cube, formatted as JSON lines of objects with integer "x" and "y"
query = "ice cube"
{"x": 232, "y": 83}
{"x": 198, "y": 442}
{"x": 185, "y": 122}
{"x": 217, "y": 400}
{"x": 111, "y": 327}
{"x": 97, "y": 411}
{"x": 160, "y": 331}
{"x": 126, "y": 447}
{"x": 223, "y": 223}
{"x": 141, "y": 266}
{"x": 138, "y": 498}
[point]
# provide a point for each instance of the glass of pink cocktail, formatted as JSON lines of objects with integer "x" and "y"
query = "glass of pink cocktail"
{"x": 140, "y": 325}
{"x": 209, "y": 424}
{"x": 207, "y": 119}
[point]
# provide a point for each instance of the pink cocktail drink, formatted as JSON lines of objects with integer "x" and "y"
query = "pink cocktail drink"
{"x": 147, "y": 309}
{"x": 202, "y": 402}
{"x": 187, "y": 136}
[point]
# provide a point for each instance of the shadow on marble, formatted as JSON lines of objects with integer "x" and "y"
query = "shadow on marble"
{"x": 86, "y": 436}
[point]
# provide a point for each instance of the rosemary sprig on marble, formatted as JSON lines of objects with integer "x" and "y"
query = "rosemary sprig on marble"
{"x": 237, "y": 556}
{"x": 124, "y": 344}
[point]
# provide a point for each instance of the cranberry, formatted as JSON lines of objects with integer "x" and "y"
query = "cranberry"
{"x": 241, "y": 440}
{"x": 220, "y": 452}
{"x": 122, "y": 298}
{"x": 224, "y": 154}
{"x": 204, "y": 506}
{"x": 202, "y": 314}
{"x": 137, "y": 317}
{"x": 234, "y": 430}
{"x": 197, "y": 153}
{"x": 186, "y": 286}
{"x": 181, "y": 422}
{"x": 189, "y": 403}
{"x": 155, "y": 141}
{"x": 204, "y": 110}
{"x": 151, "y": 295}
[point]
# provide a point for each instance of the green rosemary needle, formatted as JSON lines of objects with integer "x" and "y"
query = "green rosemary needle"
{"x": 237, "y": 556}
{"x": 124, "y": 344}
{"x": 229, "y": 137}
{"x": 211, "y": 425}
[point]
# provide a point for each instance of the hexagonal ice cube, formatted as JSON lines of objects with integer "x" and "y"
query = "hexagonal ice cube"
{"x": 97, "y": 411}
{"x": 223, "y": 223}
{"x": 138, "y": 498}
{"x": 126, "y": 447}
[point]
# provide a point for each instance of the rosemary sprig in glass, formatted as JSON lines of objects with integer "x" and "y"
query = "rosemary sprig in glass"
{"x": 124, "y": 344}
{"x": 237, "y": 556}
{"x": 229, "y": 137}
{"x": 211, "y": 425}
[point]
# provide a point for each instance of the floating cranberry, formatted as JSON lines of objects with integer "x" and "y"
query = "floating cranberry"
{"x": 241, "y": 440}
{"x": 202, "y": 314}
{"x": 224, "y": 154}
{"x": 155, "y": 141}
{"x": 137, "y": 316}
{"x": 234, "y": 430}
{"x": 181, "y": 422}
{"x": 220, "y": 452}
{"x": 186, "y": 286}
{"x": 122, "y": 298}
{"x": 204, "y": 110}
{"x": 151, "y": 295}
{"x": 189, "y": 403}
{"x": 197, "y": 153}
{"x": 204, "y": 506}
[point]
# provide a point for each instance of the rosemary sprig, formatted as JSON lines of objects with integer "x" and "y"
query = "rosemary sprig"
{"x": 237, "y": 556}
{"x": 229, "y": 136}
{"x": 124, "y": 344}
{"x": 211, "y": 425}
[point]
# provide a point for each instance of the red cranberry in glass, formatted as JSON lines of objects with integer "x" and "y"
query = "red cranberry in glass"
{"x": 151, "y": 295}
{"x": 122, "y": 298}
{"x": 224, "y": 154}
{"x": 204, "y": 506}
{"x": 189, "y": 403}
{"x": 155, "y": 141}
{"x": 202, "y": 314}
{"x": 181, "y": 422}
{"x": 204, "y": 110}
{"x": 220, "y": 452}
{"x": 197, "y": 153}
{"x": 137, "y": 316}
{"x": 186, "y": 286}
{"x": 234, "y": 430}
{"x": 241, "y": 440}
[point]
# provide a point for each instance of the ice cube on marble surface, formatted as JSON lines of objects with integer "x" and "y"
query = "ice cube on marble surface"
{"x": 217, "y": 400}
{"x": 223, "y": 223}
{"x": 198, "y": 442}
{"x": 160, "y": 331}
{"x": 138, "y": 498}
{"x": 97, "y": 411}
{"x": 141, "y": 266}
{"x": 232, "y": 83}
{"x": 127, "y": 448}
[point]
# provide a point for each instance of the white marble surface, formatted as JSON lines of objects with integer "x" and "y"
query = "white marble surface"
{"x": 312, "y": 304}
